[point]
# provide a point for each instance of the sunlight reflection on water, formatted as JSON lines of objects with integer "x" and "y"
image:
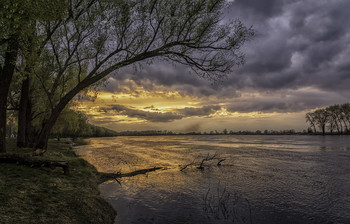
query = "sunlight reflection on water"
{"x": 285, "y": 179}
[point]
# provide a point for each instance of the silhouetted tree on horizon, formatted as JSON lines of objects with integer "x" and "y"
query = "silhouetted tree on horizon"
{"x": 334, "y": 118}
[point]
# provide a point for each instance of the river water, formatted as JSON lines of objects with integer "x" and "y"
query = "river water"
{"x": 263, "y": 179}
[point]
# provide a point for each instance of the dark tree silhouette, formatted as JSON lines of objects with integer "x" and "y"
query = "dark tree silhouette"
{"x": 334, "y": 118}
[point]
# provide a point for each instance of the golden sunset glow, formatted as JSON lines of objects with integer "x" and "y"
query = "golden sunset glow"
{"x": 137, "y": 108}
{"x": 157, "y": 101}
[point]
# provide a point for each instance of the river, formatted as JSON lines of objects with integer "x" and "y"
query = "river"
{"x": 263, "y": 179}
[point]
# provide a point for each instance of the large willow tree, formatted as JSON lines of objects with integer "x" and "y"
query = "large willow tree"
{"x": 97, "y": 38}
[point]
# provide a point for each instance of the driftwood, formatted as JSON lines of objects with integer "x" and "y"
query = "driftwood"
{"x": 114, "y": 176}
{"x": 34, "y": 162}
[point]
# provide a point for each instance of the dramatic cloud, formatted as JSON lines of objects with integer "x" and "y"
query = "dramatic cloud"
{"x": 162, "y": 116}
{"x": 298, "y": 61}
{"x": 149, "y": 116}
{"x": 298, "y": 44}
{"x": 204, "y": 111}
{"x": 304, "y": 99}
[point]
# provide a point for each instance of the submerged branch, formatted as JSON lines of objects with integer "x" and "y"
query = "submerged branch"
{"x": 113, "y": 176}
{"x": 219, "y": 163}
{"x": 207, "y": 158}
{"x": 200, "y": 165}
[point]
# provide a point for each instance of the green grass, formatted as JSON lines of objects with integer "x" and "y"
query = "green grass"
{"x": 43, "y": 195}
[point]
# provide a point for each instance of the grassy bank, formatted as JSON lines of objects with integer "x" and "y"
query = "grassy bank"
{"x": 43, "y": 195}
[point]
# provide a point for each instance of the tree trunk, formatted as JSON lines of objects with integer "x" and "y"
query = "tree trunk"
{"x": 3, "y": 104}
{"x": 336, "y": 124}
{"x": 323, "y": 129}
{"x": 43, "y": 138}
{"x": 6, "y": 74}
{"x": 345, "y": 125}
{"x": 314, "y": 126}
{"x": 30, "y": 134}
{"x": 41, "y": 141}
{"x": 22, "y": 114}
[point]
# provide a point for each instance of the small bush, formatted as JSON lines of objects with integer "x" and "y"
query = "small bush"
{"x": 81, "y": 141}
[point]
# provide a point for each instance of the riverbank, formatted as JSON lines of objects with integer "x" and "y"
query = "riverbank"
{"x": 43, "y": 195}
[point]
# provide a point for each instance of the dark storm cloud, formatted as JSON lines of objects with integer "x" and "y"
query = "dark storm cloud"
{"x": 162, "y": 117}
{"x": 267, "y": 106}
{"x": 255, "y": 9}
{"x": 204, "y": 111}
{"x": 298, "y": 44}
{"x": 286, "y": 101}
{"x": 149, "y": 116}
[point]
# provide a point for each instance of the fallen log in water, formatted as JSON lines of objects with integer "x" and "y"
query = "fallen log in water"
{"x": 33, "y": 161}
{"x": 113, "y": 176}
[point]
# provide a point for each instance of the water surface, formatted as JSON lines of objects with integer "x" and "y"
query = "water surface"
{"x": 264, "y": 179}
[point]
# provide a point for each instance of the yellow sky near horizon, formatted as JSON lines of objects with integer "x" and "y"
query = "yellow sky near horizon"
{"x": 143, "y": 109}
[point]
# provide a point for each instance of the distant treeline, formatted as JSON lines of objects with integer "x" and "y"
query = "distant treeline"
{"x": 333, "y": 120}
{"x": 224, "y": 132}
{"x": 75, "y": 124}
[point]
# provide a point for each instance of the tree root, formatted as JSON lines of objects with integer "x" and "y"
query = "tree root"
{"x": 34, "y": 162}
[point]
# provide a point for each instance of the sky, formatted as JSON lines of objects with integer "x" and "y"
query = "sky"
{"x": 299, "y": 60}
